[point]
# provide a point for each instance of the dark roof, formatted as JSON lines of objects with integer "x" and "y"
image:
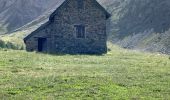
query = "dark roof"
{"x": 54, "y": 13}
{"x": 108, "y": 15}
{"x": 37, "y": 30}
{"x": 97, "y": 4}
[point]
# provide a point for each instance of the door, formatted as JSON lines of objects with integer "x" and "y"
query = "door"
{"x": 42, "y": 44}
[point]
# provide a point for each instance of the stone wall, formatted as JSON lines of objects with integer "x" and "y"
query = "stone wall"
{"x": 60, "y": 30}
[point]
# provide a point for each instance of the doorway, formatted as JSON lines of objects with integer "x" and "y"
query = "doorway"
{"x": 42, "y": 44}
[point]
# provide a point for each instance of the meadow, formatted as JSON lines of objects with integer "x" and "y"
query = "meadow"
{"x": 119, "y": 75}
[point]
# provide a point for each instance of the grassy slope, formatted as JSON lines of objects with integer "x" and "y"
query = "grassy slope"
{"x": 120, "y": 74}
{"x": 15, "y": 38}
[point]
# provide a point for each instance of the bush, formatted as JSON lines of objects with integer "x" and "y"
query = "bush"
{"x": 10, "y": 45}
{"x": 2, "y": 44}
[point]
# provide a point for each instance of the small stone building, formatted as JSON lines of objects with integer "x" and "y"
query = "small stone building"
{"x": 75, "y": 27}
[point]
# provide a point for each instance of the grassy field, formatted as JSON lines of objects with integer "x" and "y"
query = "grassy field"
{"x": 120, "y": 74}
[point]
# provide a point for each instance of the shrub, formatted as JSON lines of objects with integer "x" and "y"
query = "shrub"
{"x": 10, "y": 45}
{"x": 2, "y": 44}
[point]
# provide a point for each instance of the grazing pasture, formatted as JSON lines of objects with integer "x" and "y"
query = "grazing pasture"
{"x": 120, "y": 74}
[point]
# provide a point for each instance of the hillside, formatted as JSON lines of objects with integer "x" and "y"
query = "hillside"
{"x": 142, "y": 25}
{"x": 16, "y": 13}
{"x": 120, "y": 74}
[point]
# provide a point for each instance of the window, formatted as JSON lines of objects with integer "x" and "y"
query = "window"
{"x": 80, "y": 31}
{"x": 80, "y": 4}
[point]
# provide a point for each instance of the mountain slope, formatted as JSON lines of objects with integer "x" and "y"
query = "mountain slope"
{"x": 142, "y": 24}
{"x": 16, "y": 13}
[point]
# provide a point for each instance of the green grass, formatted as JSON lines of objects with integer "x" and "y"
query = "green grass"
{"x": 16, "y": 39}
{"x": 120, "y": 74}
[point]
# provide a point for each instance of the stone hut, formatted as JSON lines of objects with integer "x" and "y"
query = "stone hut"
{"x": 75, "y": 27}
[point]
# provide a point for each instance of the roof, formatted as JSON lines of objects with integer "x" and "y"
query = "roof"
{"x": 37, "y": 30}
{"x": 108, "y": 15}
{"x": 97, "y": 4}
{"x": 54, "y": 13}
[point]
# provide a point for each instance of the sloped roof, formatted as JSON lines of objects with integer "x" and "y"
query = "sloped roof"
{"x": 97, "y": 4}
{"x": 103, "y": 9}
{"x": 53, "y": 14}
{"x": 43, "y": 25}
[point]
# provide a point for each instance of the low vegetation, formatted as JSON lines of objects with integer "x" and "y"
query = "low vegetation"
{"x": 120, "y": 74}
{"x": 12, "y": 41}
{"x": 10, "y": 45}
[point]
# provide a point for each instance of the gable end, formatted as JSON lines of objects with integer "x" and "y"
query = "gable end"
{"x": 108, "y": 15}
